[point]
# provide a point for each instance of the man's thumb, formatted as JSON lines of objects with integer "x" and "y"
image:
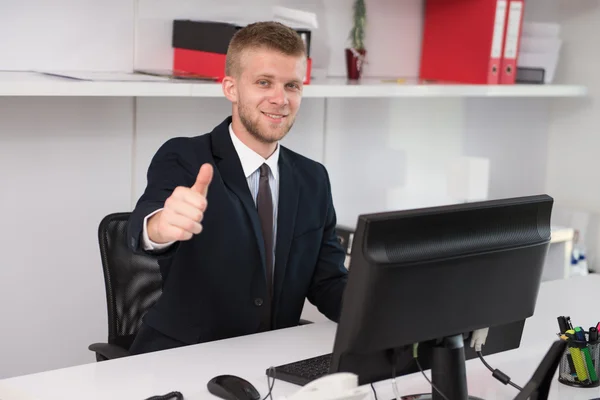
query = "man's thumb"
{"x": 203, "y": 179}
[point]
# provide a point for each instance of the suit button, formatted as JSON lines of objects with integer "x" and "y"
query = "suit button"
{"x": 258, "y": 302}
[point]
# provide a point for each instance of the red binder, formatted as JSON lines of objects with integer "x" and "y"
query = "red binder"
{"x": 463, "y": 40}
{"x": 512, "y": 41}
{"x": 211, "y": 65}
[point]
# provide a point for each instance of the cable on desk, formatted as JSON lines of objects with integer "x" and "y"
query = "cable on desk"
{"x": 168, "y": 396}
{"x": 374, "y": 392}
{"x": 394, "y": 386}
{"x": 416, "y": 357}
{"x": 270, "y": 383}
{"x": 499, "y": 375}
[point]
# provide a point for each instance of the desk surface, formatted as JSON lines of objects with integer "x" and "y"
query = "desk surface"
{"x": 188, "y": 369}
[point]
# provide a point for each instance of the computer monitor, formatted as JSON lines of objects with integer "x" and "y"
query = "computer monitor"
{"x": 433, "y": 276}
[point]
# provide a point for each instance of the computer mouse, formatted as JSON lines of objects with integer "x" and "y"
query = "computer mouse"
{"x": 231, "y": 387}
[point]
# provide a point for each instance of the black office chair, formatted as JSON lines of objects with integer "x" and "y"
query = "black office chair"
{"x": 132, "y": 282}
{"x": 538, "y": 386}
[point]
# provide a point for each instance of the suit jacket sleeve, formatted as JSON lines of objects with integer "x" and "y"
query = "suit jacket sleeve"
{"x": 170, "y": 167}
{"x": 329, "y": 280}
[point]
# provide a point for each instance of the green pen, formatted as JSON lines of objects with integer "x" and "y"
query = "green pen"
{"x": 577, "y": 356}
{"x": 580, "y": 336}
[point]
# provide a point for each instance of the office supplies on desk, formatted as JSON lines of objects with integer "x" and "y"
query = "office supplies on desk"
{"x": 580, "y": 368}
{"x": 562, "y": 324}
{"x": 580, "y": 362}
{"x": 593, "y": 334}
{"x": 580, "y": 336}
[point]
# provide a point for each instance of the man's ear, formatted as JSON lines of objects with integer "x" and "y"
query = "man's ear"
{"x": 229, "y": 85}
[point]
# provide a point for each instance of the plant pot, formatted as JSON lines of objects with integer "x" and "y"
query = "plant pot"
{"x": 355, "y": 60}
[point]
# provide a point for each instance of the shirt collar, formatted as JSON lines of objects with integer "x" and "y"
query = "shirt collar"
{"x": 251, "y": 161}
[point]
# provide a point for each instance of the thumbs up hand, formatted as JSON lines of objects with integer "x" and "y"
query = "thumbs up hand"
{"x": 182, "y": 215}
{"x": 203, "y": 180}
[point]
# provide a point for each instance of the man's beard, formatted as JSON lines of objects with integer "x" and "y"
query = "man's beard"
{"x": 254, "y": 130}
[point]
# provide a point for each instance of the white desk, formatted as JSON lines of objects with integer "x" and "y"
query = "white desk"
{"x": 188, "y": 369}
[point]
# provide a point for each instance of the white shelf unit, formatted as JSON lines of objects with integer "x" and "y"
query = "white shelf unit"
{"x": 32, "y": 84}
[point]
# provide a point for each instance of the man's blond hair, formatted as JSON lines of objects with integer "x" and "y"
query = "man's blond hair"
{"x": 267, "y": 35}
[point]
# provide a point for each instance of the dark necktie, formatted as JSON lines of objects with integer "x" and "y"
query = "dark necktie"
{"x": 264, "y": 203}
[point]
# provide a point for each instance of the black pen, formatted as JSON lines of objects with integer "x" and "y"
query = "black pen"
{"x": 593, "y": 335}
{"x": 562, "y": 325}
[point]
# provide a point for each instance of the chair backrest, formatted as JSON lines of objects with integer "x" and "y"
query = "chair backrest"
{"x": 538, "y": 386}
{"x": 132, "y": 281}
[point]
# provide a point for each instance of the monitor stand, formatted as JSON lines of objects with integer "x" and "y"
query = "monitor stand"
{"x": 448, "y": 372}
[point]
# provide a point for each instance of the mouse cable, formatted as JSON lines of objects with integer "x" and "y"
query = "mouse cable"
{"x": 394, "y": 386}
{"x": 374, "y": 392}
{"x": 496, "y": 373}
{"x": 168, "y": 396}
{"x": 270, "y": 383}
{"x": 416, "y": 357}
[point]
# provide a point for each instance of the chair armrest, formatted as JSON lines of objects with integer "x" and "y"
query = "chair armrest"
{"x": 304, "y": 322}
{"x": 106, "y": 351}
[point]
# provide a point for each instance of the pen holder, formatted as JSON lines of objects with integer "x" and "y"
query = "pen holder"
{"x": 580, "y": 364}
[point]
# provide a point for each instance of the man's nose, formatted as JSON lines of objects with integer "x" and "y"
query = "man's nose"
{"x": 279, "y": 96}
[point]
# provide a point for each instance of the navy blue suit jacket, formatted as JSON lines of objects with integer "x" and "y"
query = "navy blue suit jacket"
{"x": 214, "y": 285}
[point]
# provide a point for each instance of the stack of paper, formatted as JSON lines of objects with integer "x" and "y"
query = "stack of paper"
{"x": 540, "y": 48}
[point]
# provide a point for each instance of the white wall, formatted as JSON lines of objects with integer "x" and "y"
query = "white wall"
{"x": 513, "y": 134}
{"x": 66, "y": 35}
{"x": 573, "y": 162}
{"x": 65, "y": 163}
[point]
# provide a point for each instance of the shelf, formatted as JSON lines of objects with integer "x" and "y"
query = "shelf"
{"x": 34, "y": 84}
{"x": 339, "y": 87}
{"x": 562, "y": 234}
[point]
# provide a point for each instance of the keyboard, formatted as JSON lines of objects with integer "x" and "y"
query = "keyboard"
{"x": 304, "y": 371}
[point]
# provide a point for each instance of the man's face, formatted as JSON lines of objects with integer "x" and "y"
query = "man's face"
{"x": 269, "y": 92}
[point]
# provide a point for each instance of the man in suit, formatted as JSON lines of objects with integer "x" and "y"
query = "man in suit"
{"x": 244, "y": 228}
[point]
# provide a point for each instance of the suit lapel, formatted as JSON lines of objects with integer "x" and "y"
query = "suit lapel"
{"x": 286, "y": 219}
{"x": 230, "y": 168}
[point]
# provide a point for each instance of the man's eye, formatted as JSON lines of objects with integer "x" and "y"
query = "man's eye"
{"x": 263, "y": 83}
{"x": 294, "y": 86}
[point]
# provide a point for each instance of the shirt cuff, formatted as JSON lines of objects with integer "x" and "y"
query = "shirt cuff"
{"x": 148, "y": 244}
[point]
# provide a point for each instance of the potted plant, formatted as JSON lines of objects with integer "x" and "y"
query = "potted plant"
{"x": 355, "y": 55}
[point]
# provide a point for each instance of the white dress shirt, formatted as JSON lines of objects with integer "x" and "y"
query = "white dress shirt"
{"x": 251, "y": 162}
